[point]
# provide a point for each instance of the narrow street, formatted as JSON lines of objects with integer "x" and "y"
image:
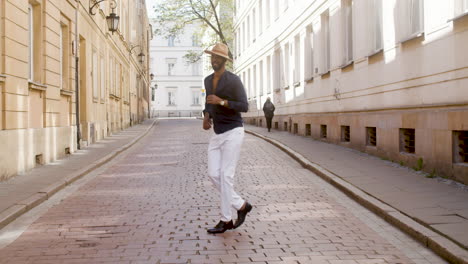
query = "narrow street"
{"x": 154, "y": 202}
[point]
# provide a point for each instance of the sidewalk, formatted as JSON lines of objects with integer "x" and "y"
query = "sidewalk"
{"x": 23, "y": 192}
{"x": 428, "y": 209}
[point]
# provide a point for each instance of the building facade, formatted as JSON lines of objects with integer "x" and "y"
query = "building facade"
{"x": 50, "y": 49}
{"x": 177, "y": 84}
{"x": 389, "y": 78}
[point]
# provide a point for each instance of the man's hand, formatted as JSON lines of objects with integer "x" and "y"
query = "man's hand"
{"x": 213, "y": 99}
{"x": 207, "y": 122}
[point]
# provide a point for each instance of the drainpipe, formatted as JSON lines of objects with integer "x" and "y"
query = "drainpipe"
{"x": 77, "y": 90}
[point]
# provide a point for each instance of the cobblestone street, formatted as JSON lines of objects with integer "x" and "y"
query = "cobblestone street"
{"x": 154, "y": 202}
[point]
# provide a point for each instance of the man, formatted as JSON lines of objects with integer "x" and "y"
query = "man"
{"x": 225, "y": 100}
{"x": 268, "y": 110}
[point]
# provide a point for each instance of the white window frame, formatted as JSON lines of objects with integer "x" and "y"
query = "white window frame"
{"x": 170, "y": 41}
{"x": 254, "y": 78}
{"x": 170, "y": 68}
{"x": 171, "y": 98}
{"x": 347, "y": 26}
{"x": 61, "y": 56}
{"x": 325, "y": 43}
{"x": 95, "y": 74}
{"x": 375, "y": 26}
{"x": 31, "y": 41}
{"x": 309, "y": 54}
{"x": 260, "y": 78}
{"x": 103, "y": 79}
{"x": 297, "y": 60}
{"x": 196, "y": 97}
{"x": 411, "y": 19}
{"x": 460, "y": 9}
{"x": 268, "y": 75}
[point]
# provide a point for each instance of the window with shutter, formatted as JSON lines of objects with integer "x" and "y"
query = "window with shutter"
{"x": 325, "y": 42}
{"x": 347, "y": 18}
{"x": 375, "y": 26}
{"x": 308, "y": 54}
{"x": 411, "y": 19}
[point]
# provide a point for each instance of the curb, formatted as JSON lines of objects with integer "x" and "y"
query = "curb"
{"x": 442, "y": 246}
{"x": 18, "y": 209}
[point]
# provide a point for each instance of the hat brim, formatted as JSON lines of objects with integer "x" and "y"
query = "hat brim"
{"x": 218, "y": 54}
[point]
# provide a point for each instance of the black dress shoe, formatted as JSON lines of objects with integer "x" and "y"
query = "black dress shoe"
{"x": 241, "y": 214}
{"x": 221, "y": 227}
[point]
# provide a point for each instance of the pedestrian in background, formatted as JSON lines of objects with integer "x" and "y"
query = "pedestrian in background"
{"x": 225, "y": 100}
{"x": 269, "y": 111}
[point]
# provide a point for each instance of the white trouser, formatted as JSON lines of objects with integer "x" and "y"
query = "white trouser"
{"x": 223, "y": 154}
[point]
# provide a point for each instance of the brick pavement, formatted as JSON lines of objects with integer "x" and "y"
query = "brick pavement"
{"x": 441, "y": 205}
{"x": 154, "y": 202}
{"x": 26, "y": 191}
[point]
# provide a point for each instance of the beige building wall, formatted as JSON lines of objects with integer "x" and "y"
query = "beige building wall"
{"x": 37, "y": 77}
{"x": 360, "y": 70}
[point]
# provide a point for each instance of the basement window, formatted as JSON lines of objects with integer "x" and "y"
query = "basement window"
{"x": 345, "y": 133}
{"x": 323, "y": 131}
{"x": 460, "y": 146}
{"x": 407, "y": 140}
{"x": 296, "y": 128}
{"x": 308, "y": 130}
{"x": 285, "y": 126}
{"x": 371, "y": 136}
{"x": 276, "y": 125}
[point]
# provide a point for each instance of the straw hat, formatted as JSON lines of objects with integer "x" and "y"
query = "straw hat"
{"x": 219, "y": 49}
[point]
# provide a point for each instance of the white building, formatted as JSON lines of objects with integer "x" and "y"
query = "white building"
{"x": 178, "y": 83}
{"x": 387, "y": 77}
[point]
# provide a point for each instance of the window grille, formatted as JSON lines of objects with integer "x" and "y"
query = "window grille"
{"x": 323, "y": 131}
{"x": 407, "y": 140}
{"x": 371, "y": 136}
{"x": 460, "y": 146}
{"x": 345, "y": 133}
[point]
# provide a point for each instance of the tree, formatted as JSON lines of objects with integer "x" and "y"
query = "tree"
{"x": 215, "y": 15}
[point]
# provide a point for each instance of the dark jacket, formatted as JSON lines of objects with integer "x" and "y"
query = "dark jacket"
{"x": 229, "y": 88}
{"x": 268, "y": 109}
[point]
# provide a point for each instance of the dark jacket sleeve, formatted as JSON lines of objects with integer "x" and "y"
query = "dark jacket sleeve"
{"x": 240, "y": 104}
{"x": 208, "y": 107}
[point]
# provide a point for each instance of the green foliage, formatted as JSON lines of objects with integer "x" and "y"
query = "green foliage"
{"x": 431, "y": 175}
{"x": 215, "y": 18}
{"x": 419, "y": 165}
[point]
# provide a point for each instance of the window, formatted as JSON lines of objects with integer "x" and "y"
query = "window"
{"x": 325, "y": 43}
{"x": 118, "y": 79}
{"x": 267, "y": 12}
{"x": 195, "y": 97}
{"x": 309, "y": 54}
{"x": 375, "y": 26}
{"x": 276, "y": 7}
{"x": 260, "y": 78}
{"x": 249, "y": 91}
{"x": 411, "y": 19}
{"x": 323, "y": 131}
{"x": 248, "y": 31}
{"x": 95, "y": 74}
{"x": 111, "y": 76}
{"x": 254, "y": 79}
{"x": 371, "y": 136}
{"x": 460, "y": 146}
{"x": 171, "y": 98}
{"x": 345, "y": 134}
{"x": 170, "y": 41}
{"x": 297, "y": 60}
{"x": 64, "y": 56}
{"x": 285, "y": 67}
{"x": 460, "y": 7}
{"x": 170, "y": 69}
{"x": 195, "y": 41}
{"x": 254, "y": 25}
{"x": 243, "y": 37}
{"x": 31, "y": 41}
{"x": 277, "y": 69}
{"x": 195, "y": 69}
{"x": 347, "y": 18}
{"x": 260, "y": 17}
{"x": 268, "y": 75}
{"x": 407, "y": 140}
{"x": 103, "y": 79}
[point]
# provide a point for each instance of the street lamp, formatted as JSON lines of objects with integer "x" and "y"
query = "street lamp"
{"x": 112, "y": 19}
{"x": 141, "y": 55}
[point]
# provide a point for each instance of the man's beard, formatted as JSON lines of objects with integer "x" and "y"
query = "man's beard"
{"x": 217, "y": 67}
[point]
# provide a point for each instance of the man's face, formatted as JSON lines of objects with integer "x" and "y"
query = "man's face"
{"x": 217, "y": 62}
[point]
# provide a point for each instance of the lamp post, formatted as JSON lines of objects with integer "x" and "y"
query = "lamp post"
{"x": 112, "y": 19}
